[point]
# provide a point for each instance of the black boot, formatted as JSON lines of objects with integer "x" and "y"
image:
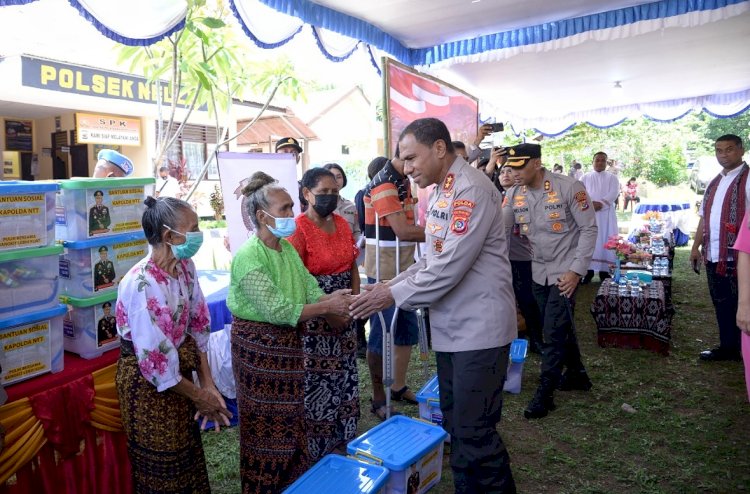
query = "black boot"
{"x": 541, "y": 404}
{"x": 589, "y": 276}
{"x": 603, "y": 275}
{"x": 575, "y": 381}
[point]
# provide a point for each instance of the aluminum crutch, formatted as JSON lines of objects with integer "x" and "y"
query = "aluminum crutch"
{"x": 424, "y": 347}
{"x": 387, "y": 330}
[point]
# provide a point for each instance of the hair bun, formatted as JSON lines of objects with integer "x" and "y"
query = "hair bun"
{"x": 257, "y": 182}
{"x": 149, "y": 202}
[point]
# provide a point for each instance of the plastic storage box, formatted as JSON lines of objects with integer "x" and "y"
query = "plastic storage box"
{"x": 89, "y": 267}
{"x": 31, "y": 344}
{"x": 429, "y": 402}
{"x": 518, "y": 349}
{"x": 89, "y": 327}
{"x": 336, "y": 474}
{"x": 27, "y": 214}
{"x": 96, "y": 207}
{"x": 28, "y": 280}
{"x": 411, "y": 449}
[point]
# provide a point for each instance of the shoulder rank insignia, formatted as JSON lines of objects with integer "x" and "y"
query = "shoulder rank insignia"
{"x": 441, "y": 204}
{"x": 438, "y": 246}
{"x": 450, "y": 180}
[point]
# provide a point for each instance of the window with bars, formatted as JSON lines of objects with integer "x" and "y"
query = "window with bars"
{"x": 192, "y": 146}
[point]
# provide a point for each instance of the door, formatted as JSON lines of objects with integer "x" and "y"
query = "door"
{"x": 59, "y": 159}
{"x": 79, "y": 160}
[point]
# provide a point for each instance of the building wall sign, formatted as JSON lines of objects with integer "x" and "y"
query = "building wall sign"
{"x": 107, "y": 129}
{"x": 58, "y": 76}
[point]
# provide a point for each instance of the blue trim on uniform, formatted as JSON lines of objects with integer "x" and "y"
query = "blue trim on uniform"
{"x": 114, "y": 36}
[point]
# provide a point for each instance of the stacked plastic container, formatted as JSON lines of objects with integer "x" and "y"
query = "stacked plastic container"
{"x": 30, "y": 312}
{"x": 99, "y": 224}
{"x": 336, "y": 474}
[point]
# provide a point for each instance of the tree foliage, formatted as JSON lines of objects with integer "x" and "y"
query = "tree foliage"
{"x": 653, "y": 150}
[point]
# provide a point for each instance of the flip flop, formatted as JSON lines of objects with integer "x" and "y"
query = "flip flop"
{"x": 379, "y": 410}
{"x": 400, "y": 395}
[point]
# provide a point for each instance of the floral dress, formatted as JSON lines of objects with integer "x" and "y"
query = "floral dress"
{"x": 163, "y": 323}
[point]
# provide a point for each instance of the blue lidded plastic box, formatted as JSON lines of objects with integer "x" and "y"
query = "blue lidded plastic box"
{"x": 99, "y": 207}
{"x": 411, "y": 449}
{"x": 31, "y": 344}
{"x": 27, "y": 210}
{"x": 429, "y": 402}
{"x": 94, "y": 266}
{"x": 518, "y": 349}
{"x": 29, "y": 280}
{"x": 336, "y": 474}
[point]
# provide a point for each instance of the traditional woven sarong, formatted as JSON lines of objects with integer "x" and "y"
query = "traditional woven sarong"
{"x": 164, "y": 442}
{"x": 269, "y": 371}
{"x": 331, "y": 379}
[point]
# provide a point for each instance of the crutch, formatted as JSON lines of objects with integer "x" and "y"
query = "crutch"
{"x": 424, "y": 347}
{"x": 387, "y": 330}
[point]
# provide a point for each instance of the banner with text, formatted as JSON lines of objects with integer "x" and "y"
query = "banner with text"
{"x": 93, "y": 128}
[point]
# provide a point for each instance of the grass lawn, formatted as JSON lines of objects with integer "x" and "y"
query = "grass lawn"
{"x": 690, "y": 432}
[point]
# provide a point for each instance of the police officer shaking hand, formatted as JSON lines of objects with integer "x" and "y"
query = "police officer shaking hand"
{"x": 465, "y": 279}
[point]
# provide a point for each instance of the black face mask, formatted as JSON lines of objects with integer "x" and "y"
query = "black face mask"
{"x": 325, "y": 204}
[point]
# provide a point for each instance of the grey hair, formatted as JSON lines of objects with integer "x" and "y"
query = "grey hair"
{"x": 161, "y": 212}
{"x": 256, "y": 192}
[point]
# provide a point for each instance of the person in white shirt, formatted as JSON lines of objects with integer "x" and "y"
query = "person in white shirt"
{"x": 721, "y": 213}
{"x": 167, "y": 185}
{"x": 603, "y": 188}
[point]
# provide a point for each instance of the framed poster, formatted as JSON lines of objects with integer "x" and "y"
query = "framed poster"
{"x": 235, "y": 170}
{"x": 19, "y": 135}
{"x": 11, "y": 165}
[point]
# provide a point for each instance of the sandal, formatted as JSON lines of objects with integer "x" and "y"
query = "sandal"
{"x": 380, "y": 411}
{"x": 400, "y": 395}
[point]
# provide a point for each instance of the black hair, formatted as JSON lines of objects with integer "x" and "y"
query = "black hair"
{"x": 164, "y": 169}
{"x": 633, "y": 179}
{"x": 101, "y": 193}
{"x": 256, "y": 192}
{"x": 483, "y": 162}
{"x": 312, "y": 177}
{"x": 375, "y": 166}
{"x": 428, "y": 130}
{"x": 330, "y": 166}
{"x": 459, "y": 145}
{"x": 161, "y": 212}
{"x": 601, "y": 152}
{"x": 736, "y": 140}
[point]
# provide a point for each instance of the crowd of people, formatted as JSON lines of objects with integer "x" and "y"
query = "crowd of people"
{"x": 502, "y": 236}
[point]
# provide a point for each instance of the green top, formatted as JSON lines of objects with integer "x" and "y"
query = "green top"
{"x": 270, "y": 286}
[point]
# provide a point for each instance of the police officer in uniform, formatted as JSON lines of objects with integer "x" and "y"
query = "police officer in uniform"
{"x": 99, "y": 219}
{"x": 107, "y": 327}
{"x": 556, "y": 214}
{"x": 104, "y": 270}
{"x": 465, "y": 280}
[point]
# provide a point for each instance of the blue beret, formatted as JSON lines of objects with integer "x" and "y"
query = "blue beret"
{"x": 117, "y": 159}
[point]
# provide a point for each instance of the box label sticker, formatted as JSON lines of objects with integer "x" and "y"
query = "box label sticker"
{"x": 111, "y": 262}
{"x": 23, "y": 220}
{"x": 26, "y": 351}
{"x": 117, "y": 210}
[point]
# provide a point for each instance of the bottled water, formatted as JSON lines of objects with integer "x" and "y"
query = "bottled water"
{"x": 622, "y": 287}
{"x": 635, "y": 288}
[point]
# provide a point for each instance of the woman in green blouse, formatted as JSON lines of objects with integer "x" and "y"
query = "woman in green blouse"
{"x": 271, "y": 293}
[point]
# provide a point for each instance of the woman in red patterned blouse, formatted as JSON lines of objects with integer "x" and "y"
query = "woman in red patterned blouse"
{"x": 327, "y": 247}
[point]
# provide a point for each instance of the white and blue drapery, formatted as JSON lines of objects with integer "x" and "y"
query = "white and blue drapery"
{"x": 339, "y": 36}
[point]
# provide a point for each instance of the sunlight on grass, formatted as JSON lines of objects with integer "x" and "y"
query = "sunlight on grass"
{"x": 690, "y": 432}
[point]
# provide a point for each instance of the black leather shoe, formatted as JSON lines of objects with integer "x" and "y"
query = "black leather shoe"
{"x": 719, "y": 354}
{"x": 587, "y": 279}
{"x": 603, "y": 275}
{"x": 540, "y": 405}
{"x": 575, "y": 381}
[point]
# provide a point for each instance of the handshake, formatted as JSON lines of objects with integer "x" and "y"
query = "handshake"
{"x": 342, "y": 306}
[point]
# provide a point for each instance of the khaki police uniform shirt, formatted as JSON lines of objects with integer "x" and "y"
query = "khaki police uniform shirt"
{"x": 464, "y": 277}
{"x": 559, "y": 220}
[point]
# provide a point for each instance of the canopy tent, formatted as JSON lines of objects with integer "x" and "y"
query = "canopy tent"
{"x": 538, "y": 64}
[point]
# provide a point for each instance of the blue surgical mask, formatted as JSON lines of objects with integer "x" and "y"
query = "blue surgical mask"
{"x": 193, "y": 242}
{"x": 285, "y": 227}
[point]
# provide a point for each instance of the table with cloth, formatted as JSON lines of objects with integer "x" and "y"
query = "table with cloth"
{"x": 633, "y": 322}
{"x": 63, "y": 432}
{"x": 676, "y": 216}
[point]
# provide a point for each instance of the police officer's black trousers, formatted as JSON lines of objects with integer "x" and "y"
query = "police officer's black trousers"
{"x": 526, "y": 301}
{"x": 471, "y": 399}
{"x": 559, "y": 342}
